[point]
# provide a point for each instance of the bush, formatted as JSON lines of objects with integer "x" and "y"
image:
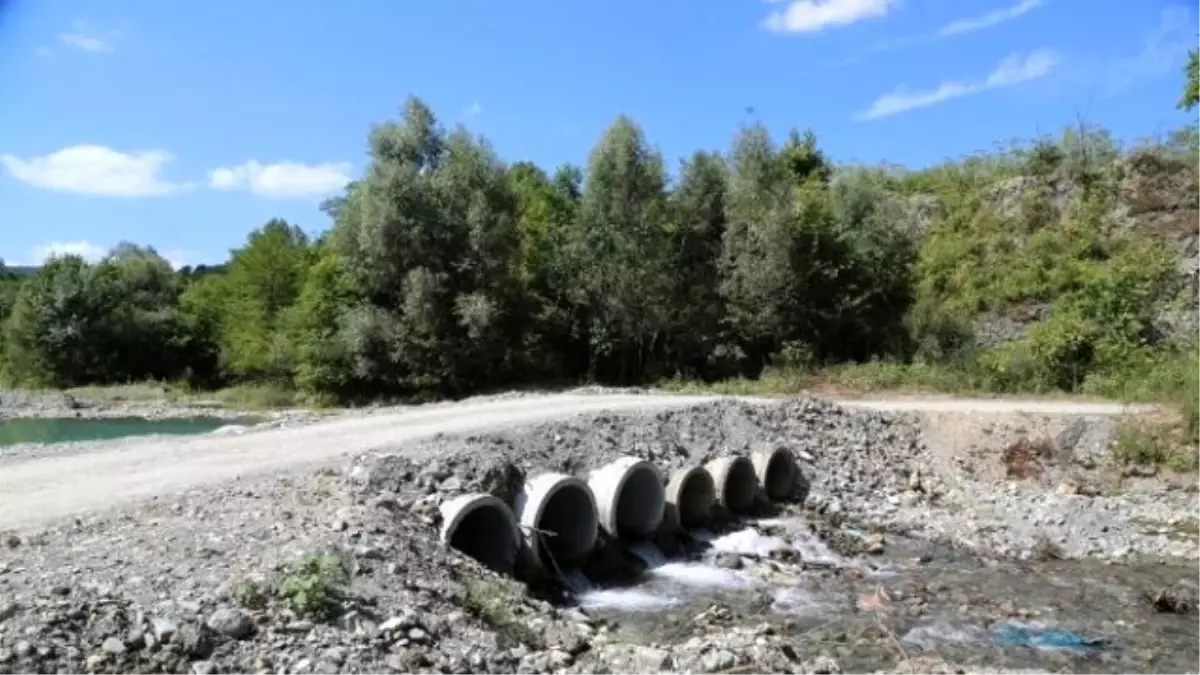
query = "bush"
{"x": 316, "y": 586}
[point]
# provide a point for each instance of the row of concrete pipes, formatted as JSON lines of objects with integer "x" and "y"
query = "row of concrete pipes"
{"x": 556, "y": 520}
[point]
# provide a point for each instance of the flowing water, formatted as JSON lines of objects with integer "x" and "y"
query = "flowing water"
{"x": 917, "y": 599}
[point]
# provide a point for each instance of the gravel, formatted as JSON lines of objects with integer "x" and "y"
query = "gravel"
{"x": 224, "y": 578}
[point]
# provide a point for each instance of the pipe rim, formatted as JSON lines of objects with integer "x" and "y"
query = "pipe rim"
{"x": 456, "y": 510}
{"x": 764, "y": 460}
{"x": 545, "y": 486}
{"x": 624, "y": 469}
{"x": 680, "y": 480}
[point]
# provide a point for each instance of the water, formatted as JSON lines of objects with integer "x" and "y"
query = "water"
{"x": 72, "y": 429}
{"x": 1060, "y": 616}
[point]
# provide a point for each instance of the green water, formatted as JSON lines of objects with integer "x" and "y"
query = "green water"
{"x": 65, "y": 430}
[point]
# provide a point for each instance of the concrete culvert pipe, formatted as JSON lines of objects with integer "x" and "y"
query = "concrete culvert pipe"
{"x": 735, "y": 481}
{"x": 629, "y": 497}
{"x": 691, "y": 494}
{"x": 776, "y": 471}
{"x": 484, "y": 528}
{"x": 563, "y": 510}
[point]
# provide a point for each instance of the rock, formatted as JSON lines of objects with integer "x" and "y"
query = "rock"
{"x": 718, "y": 660}
{"x": 195, "y": 640}
{"x": 23, "y": 649}
{"x": 114, "y": 646}
{"x": 162, "y": 628}
{"x": 1181, "y": 598}
{"x": 231, "y": 622}
{"x": 203, "y": 667}
{"x": 94, "y": 662}
{"x": 822, "y": 665}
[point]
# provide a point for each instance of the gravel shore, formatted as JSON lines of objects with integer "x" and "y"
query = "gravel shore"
{"x": 198, "y": 582}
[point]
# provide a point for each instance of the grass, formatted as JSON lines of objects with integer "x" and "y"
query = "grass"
{"x": 492, "y": 602}
{"x": 1169, "y": 440}
{"x": 249, "y": 397}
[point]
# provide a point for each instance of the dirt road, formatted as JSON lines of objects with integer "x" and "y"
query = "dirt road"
{"x": 50, "y": 488}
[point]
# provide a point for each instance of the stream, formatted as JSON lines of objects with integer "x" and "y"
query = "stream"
{"x": 917, "y": 598}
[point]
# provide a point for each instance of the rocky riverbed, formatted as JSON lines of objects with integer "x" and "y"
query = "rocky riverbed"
{"x": 899, "y": 559}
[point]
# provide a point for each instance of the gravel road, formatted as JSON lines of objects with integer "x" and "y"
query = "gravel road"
{"x": 43, "y": 489}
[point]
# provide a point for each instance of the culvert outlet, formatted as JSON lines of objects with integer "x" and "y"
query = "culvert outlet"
{"x": 691, "y": 494}
{"x": 483, "y": 527}
{"x": 735, "y": 481}
{"x": 558, "y": 515}
{"x": 776, "y": 471}
{"x": 629, "y": 497}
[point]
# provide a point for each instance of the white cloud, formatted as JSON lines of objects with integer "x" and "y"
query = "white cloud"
{"x": 1163, "y": 51}
{"x": 84, "y": 249}
{"x": 94, "y": 170}
{"x": 93, "y": 252}
{"x": 474, "y": 110}
{"x": 989, "y": 19}
{"x": 86, "y": 42}
{"x": 1011, "y": 71}
{"x": 88, "y": 38}
{"x": 810, "y": 16}
{"x": 282, "y": 179}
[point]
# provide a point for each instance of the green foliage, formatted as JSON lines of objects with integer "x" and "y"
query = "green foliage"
{"x": 249, "y": 594}
{"x": 316, "y": 585}
{"x": 1191, "y": 87}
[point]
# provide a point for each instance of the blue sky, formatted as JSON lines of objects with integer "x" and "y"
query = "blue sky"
{"x": 184, "y": 125}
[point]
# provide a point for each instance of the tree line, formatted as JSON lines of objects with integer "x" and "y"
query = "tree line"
{"x": 447, "y": 270}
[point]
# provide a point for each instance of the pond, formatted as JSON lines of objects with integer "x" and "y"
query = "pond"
{"x": 72, "y": 429}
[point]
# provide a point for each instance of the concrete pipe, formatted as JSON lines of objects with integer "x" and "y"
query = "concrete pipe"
{"x": 735, "y": 481}
{"x": 776, "y": 471}
{"x": 558, "y": 514}
{"x": 629, "y": 497}
{"x": 691, "y": 494}
{"x": 484, "y": 528}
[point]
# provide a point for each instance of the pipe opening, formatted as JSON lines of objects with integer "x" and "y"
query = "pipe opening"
{"x": 568, "y": 514}
{"x": 483, "y": 527}
{"x": 640, "y": 501}
{"x": 693, "y": 498}
{"x": 777, "y": 473}
{"x": 739, "y": 487}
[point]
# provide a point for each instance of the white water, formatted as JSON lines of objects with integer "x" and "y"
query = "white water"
{"x": 669, "y": 583}
{"x": 229, "y": 429}
{"x": 632, "y": 599}
{"x": 701, "y": 576}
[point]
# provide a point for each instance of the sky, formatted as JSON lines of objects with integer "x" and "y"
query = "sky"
{"x": 185, "y": 125}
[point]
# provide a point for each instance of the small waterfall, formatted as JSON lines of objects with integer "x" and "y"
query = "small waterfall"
{"x": 577, "y": 583}
{"x": 649, "y": 553}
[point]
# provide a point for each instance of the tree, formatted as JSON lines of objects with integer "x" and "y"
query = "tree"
{"x": 263, "y": 281}
{"x": 619, "y": 253}
{"x": 698, "y": 211}
{"x": 429, "y": 238}
{"x": 757, "y": 279}
{"x": 1191, "y": 86}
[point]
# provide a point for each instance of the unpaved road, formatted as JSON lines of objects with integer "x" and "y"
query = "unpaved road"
{"x": 49, "y": 488}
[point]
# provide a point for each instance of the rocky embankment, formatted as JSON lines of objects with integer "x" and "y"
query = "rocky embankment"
{"x": 342, "y": 571}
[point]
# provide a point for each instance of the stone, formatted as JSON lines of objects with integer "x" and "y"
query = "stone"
{"x": 231, "y": 622}
{"x": 114, "y": 646}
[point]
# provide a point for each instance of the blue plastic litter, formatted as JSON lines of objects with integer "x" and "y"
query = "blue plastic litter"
{"x": 1018, "y": 633}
